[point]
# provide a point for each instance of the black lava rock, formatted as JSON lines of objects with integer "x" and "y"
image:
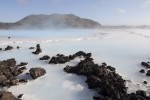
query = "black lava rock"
{"x": 145, "y": 64}
{"x": 142, "y": 71}
{"x": 37, "y": 72}
{"x": 7, "y": 96}
{"x": 108, "y": 84}
{"x": 38, "y": 49}
{"x": 8, "y": 48}
{"x": 45, "y": 57}
{"x": 148, "y": 73}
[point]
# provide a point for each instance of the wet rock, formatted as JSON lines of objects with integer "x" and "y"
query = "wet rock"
{"x": 1, "y": 49}
{"x": 145, "y": 82}
{"x": 108, "y": 84}
{"x": 142, "y": 71}
{"x": 18, "y": 47}
{"x": 104, "y": 64}
{"x": 20, "y": 96}
{"x": 23, "y": 80}
{"x": 148, "y": 73}
{"x": 22, "y": 64}
{"x": 68, "y": 69}
{"x": 7, "y": 96}
{"x": 100, "y": 98}
{"x": 3, "y": 79}
{"x": 71, "y": 57}
{"x": 31, "y": 48}
{"x": 14, "y": 82}
{"x": 141, "y": 93}
{"x": 38, "y": 49}
{"x": 9, "y": 72}
{"x": 59, "y": 59}
{"x": 20, "y": 70}
{"x": 93, "y": 82}
{"x": 37, "y": 72}
{"x": 111, "y": 68}
{"x": 88, "y": 55}
{"x": 80, "y": 53}
{"x": 145, "y": 64}
{"x": 45, "y": 57}
{"x": 8, "y": 48}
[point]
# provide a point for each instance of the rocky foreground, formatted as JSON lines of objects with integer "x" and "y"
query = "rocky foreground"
{"x": 8, "y": 76}
{"x": 102, "y": 78}
{"x": 108, "y": 84}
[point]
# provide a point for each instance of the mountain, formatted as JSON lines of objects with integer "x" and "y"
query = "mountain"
{"x": 126, "y": 27}
{"x": 51, "y": 21}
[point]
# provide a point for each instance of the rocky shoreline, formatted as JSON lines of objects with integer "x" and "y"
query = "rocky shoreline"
{"x": 104, "y": 79}
{"x": 9, "y": 71}
{"x": 108, "y": 84}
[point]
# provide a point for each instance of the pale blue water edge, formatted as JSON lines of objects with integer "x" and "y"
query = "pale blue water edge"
{"x": 44, "y": 33}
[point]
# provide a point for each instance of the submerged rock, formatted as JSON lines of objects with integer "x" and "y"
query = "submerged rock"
{"x": 145, "y": 64}
{"x": 141, "y": 93}
{"x": 18, "y": 47}
{"x": 145, "y": 82}
{"x": 38, "y": 49}
{"x": 142, "y": 71}
{"x": 61, "y": 59}
{"x": 37, "y": 72}
{"x": 8, "y": 48}
{"x": 7, "y": 96}
{"x": 45, "y": 57}
{"x": 22, "y": 64}
{"x": 148, "y": 73}
{"x": 20, "y": 96}
{"x": 31, "y": 48}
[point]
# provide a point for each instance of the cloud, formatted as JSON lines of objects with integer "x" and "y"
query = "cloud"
{"x": 120, "y": 10}
{"x": 145, "y": 4}
{"x": 23, "y": 2}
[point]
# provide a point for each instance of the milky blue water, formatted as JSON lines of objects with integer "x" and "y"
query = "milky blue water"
{"x": 122, "y": 49}
{"x": 44, "y": 33}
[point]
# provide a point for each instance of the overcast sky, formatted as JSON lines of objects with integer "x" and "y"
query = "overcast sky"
{"x": 106, "y": 12}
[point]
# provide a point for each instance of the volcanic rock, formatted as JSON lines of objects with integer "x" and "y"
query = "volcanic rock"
{"x": 8, "y": 48}
{"x": 18, "y": 47}
{"x": 23, "y": 64}
{"x": 9, "y": 72}
{"x": 37, "y": 72}
{"x": 145, "y": 64}
{"x": 31, "y": 48}
{"x": 111, "y": 68}
{"x": 142, "y": 71}
{"x": 141, "y": 93}
{"x": 108, "y": 84}
{"x": 148, "y": 73}
{"x": 38, "y": 49}
{"x": 7, "y": 96}
{"x": 20, "y": 96}
{"x": 145, "y": 82}
{"x": 45, "y": 57}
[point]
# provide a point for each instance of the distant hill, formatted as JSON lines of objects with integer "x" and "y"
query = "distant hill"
{"x": 126, "y": 27}
{"x": 51, "y": 21}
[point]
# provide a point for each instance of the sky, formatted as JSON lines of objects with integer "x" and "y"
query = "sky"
{"x": 106, "y": 12}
